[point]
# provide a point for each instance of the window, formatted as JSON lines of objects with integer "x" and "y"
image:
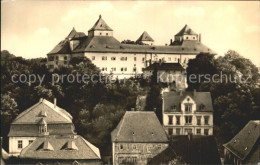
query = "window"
{"x": 173, "y": 107}
{"x": 123, "y": 69}
{"x": 43, "y": 128}
{"x": 188, "y": 107}
{"x": 20, "y": 144}
{"x": 187, "y": 37}
{"x": 169, "y": 58}
{"x": 188, "y": 130}
{"x": 65, "y": 57}
{"x": 134, "y": 58}
{"x": 51, "y": 58}
{"x": 30, "y": 141}
{"x": 123, "y": 58}
{"x": 107, "y": 34}
{"x": 194, "y": 38}
{"x": 56, "y": 62}
{"x": 65, "y": 62}
{"x": 206, "y": 131}
{"x": 100, "y": 33}
{"x": 178, "y": 121}
{"x": 134, "y": 69}
{"x": 206, "y": 120}
{"x": 121, "y": 146}
{"x": 104, "y": 58}
{"x": 198, "y": 120}
{"x": 94, "y": 57}
{"x": 188, "y": 120}
{"x": 178, "y": 131}
{"x": 170, "y": 119}
{"x": 113, "y": 69}
{"x": 134, "y": 146}
{"x": 104, "y": 69}
{"x": 143, "y": 59}
{"x": 170, "y": 131}
{"x": 198, "y": 132}
{"x": 113, "y": 58}
{"x": 201, "y": 107}
{"x": 57, "y": 57}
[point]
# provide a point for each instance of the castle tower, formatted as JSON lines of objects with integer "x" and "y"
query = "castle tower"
{"x": 100, "y": 28}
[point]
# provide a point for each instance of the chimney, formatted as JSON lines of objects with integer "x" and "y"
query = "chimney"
{"x": 55, "y": 102}
{"x": 132, "y": 109}
{"x": 194, "y": 92}
{"x": 170, "y": 41}
{"x": 199, "y": 37}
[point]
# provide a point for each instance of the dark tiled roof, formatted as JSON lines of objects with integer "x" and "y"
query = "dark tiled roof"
{"x": 139, "y": 126}
{"x": 197, "y": 150}
{"x": 144, "y": 37}
{"x": 101, "y": 25}
{"x": 110, "y": 44}
{"x": 28, "y": 130}
{"x": 242, "y": 144}
{"x": 165, "y": 66}
{"x": 33, "y": 115}
{"x": 52, "y": 147}
{"x": 62, "y": 48}
{"x": 185, "y": 30}
{"x": 75, "y": 35}
{"x": 175, "y": 98}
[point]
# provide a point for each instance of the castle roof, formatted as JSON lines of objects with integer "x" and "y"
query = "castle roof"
{"x": 55, "y": 148}
{"x": 139, "y": 127}
{"x": 244, "y": 142}
{"x": 186, "y": 30}
{"x": 75, "y": 35}
{"x": 144, "y": 37}
{"x": 172, "y": 98}
{"x": 101, "y": 25}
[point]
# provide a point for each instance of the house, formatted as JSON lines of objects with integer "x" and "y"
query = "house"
{"x": 124, "y": 60}
{"x": 65, "y": 150}
{"x": 43, "y": 118}
{"x": 244, "y": 148}
{"x": 187, "y": 112}
{"x": 137, "y": 138}
{"x": 189, "y": 149}
{"x": 171, "y": 73}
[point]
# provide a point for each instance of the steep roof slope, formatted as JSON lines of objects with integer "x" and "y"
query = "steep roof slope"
{"x": 175, "y": 98}
{"x": 139, "y": 126}
{"x": 186, "y": 30}
{"x": 52, "y": 147}
{"x": 101, "y": 25}
{"x": 34, "y": 114}
{"x": 144, "y": 37}
{"x": 243, "y": 143}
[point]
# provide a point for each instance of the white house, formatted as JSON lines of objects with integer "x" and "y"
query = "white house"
{"x": 187, "y": 112}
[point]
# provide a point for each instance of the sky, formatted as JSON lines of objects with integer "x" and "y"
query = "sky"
{"x": 31, "y": 29}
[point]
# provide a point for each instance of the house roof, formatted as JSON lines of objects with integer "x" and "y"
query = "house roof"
{"x": 196, "y": 150}
{"x": 75, "y": 35}
{"x": 242, "y": 144}
{"x": 173, "y": 98}
{"x": 186, "y": 30}
{"x": 101, "y": 25}
{"x": 165, "y": 66}
{"x": 52, "y": 147}
{"x": 144, "y": 37}
{"x": 33, "y": 115}
{"x": 139, "y": 127}
{"x": 62, "y": 47}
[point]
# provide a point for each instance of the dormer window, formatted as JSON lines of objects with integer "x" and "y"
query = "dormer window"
{"x": 42, "y": 126}
{"x": 101, "y": 25}
{"x": 173, "y": 107}
{"x": 202, "y": 106}
{"x": 188, "y": 107}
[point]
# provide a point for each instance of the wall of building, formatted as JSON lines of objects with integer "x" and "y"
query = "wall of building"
{"x": 138, "y": 153}
{"x": 58, "y": 60}
{"x": 13, "y": 144}
{"x": 100, "y": 33}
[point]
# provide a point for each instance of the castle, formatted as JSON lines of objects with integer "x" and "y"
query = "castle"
{"x": 121, "y": 59}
